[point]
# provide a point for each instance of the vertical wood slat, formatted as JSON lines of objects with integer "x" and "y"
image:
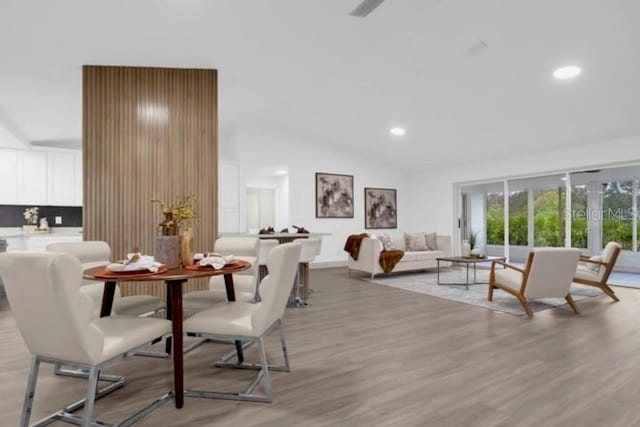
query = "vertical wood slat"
{"x": 148, "y": 133}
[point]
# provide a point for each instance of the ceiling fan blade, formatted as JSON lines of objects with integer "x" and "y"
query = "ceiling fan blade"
{"x": 365, "y": 8}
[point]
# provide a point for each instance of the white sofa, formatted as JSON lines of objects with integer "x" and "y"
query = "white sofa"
{"x": 368, "y": 258}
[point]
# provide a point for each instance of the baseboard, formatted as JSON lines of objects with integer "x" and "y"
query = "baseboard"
{"x": 328, "y": 264}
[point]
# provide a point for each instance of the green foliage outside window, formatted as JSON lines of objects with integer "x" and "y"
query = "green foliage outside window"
{"x": 617, "y": 218}
{"x": 495, "y": 219}
{"x": 518, "y": 213}
{"x": 549, "y": 217}
{"x": 579, "y": 205}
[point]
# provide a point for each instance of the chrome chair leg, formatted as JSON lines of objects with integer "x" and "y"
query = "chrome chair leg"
{"x": 31, "y": 390}
{"x": 94, "y": 374}
{"x": 266, "y": 377}
{"x": 283, "y": 343}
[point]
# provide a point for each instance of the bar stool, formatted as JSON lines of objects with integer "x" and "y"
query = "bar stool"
{"x": 310, "y": 249}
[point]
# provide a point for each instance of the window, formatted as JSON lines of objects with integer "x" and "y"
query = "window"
{"x": 617, "y": 215}
{"x": 549, "y": 205}
{"x": 495, "y": 218}
{"x": 579, "y": 216}
{"x": 518, "y": 214}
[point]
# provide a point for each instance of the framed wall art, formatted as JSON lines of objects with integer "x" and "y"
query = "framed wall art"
{"x": 334, "y": 195}
{"x": 380, "y": 208}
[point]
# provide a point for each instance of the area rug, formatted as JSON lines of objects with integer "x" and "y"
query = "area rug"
{"x": 426, "y": 283}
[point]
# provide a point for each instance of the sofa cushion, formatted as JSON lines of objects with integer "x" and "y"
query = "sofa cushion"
{"x": 408, "y": 256}
{"x": 398, "y": 242}
{"x": 432, "y": 241}
{"x": 428, "y": 255}
{"x": 415, "y": 242}
{"x": 387, "y": 243}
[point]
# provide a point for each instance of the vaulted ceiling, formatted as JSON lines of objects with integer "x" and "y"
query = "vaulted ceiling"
{"x": 469, "y": 80}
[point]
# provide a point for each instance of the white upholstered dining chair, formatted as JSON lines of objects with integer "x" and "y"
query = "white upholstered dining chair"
{"x": 57, "y": 323}
{"x": 252, "y": 322}
{"x": 244, "y": 282}
{"x": 97, "y": 253}
{"x": 547, "y": 274}
{"x": 263, "y": 253}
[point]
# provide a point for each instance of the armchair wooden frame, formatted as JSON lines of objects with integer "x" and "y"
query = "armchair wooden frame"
{"x": 520, "y": 293}
{"x": 602, "y": 283}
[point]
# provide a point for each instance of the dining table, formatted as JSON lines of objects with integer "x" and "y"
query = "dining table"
{"x": 174, "y": 279}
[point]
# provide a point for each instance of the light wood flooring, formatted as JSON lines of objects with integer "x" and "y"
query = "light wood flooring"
{"x": 370, "y": 355}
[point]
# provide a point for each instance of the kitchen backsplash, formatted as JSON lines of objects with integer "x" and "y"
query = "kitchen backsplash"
{"x": 12, "y": 215}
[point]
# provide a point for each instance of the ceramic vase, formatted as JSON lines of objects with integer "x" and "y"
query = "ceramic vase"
{"x": 466, "y": 249}
{"x": 186, "y": 246}
{"x": 167, "y": 251}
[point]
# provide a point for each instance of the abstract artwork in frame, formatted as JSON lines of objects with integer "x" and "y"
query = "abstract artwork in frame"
{"x": 380, "y": 208}
{"x": 334, "y": 195}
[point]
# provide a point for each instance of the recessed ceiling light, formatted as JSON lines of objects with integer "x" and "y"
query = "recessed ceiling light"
{"x": 568, "y": 72}
{"x": 281, "y": 172}
{"x": 397, "y": 131}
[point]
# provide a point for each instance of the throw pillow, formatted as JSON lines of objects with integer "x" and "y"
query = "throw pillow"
{"x": 415, "y": 242}
{"x": 387, "y": 243}
{"x": 432, "y": 241}
{"x": 594, "y": 267}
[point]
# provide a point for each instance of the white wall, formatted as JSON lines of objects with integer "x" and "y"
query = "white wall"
{"x": 432, "y": 193}
{"x": 303, "y": 158}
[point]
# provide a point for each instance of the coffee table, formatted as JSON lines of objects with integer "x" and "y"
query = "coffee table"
{"x": 467, "y": 261}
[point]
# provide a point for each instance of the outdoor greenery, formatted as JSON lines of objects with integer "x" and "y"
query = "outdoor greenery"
{"x": 518, "y": 224}
{"x": 495, "y": 218}
{"x": 548, "y": 208}
{"x": 617, "y": 215}
{"x": 579, "y": 222}
{"x": 549, "y": 216}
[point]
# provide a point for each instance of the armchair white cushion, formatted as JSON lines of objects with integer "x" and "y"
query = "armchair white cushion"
{"x": 595, "y": 271}
{"x": 547, "y": 274}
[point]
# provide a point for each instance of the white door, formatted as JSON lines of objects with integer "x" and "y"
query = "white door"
{"x": 261, "y": 208}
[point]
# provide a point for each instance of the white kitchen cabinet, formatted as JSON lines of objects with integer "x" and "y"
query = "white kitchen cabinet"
{"x": 60, "y": 178}
{"x": 8, "y": 177}
{"x": 32, "y": 177}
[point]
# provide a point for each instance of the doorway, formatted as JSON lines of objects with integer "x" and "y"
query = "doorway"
{"x": 261, "y": 208}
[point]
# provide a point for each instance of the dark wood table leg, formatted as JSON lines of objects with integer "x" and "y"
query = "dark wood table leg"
{"x": 174, "y": 288}
{"x": 231, "y": 296}
{"x": 108, "y": 293}
{"x": 169, "y": 312}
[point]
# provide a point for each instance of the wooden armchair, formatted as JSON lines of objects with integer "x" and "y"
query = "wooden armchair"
{"x": 547, "y": 274}
{"x": 596, "y": 270}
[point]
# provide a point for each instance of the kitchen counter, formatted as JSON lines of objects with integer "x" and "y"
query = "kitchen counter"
{"x": 17, "y": 241}
{"x": 53, "y": 231}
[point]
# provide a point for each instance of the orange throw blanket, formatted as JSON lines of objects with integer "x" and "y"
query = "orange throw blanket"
{"x": 389, "y": 259}
{"x": 352, "y": 245}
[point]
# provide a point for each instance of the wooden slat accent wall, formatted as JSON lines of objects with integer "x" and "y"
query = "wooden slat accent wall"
{"x": 148, "y": 133}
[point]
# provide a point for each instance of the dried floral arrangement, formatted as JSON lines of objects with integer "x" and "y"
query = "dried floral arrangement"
{"x": 181, "y": 214}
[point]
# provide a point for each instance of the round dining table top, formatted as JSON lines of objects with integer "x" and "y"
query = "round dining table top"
{"x": 180, "y": 273}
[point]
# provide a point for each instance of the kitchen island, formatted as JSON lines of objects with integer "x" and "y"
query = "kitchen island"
{"x": 18, "y": 241}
